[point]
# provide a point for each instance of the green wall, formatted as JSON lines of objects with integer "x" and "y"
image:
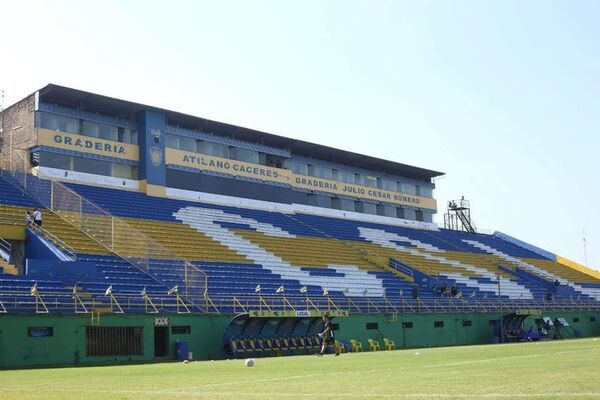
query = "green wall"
{"x": 67, "y": 345}
{"x": 453, "y": 333}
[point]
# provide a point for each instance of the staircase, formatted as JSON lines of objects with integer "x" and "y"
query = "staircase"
{"x": 467, "y": 223}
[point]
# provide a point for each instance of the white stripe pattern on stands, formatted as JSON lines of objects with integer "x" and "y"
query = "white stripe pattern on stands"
{"x": 509, "y": 288}
{"x": 355, "y": 282}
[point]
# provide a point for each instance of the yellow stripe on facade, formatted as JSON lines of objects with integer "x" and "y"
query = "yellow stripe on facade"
{"x": 257, "y": 171}
{"x": 86, "y": 144}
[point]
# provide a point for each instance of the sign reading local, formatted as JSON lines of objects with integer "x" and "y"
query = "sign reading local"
{"x": 86, "y": 144}
{"x": 256, "y": 171}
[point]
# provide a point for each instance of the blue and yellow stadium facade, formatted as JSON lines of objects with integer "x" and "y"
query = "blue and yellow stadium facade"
{"x": 149, "y": 149}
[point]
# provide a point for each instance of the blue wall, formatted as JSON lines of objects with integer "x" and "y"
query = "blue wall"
{"x": 151, "y": 138}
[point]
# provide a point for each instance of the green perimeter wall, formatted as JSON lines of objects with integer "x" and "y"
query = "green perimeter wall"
{"x": 67, "y": 345}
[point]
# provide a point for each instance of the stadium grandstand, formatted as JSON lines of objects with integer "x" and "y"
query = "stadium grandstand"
{"x": 166, "y": 235}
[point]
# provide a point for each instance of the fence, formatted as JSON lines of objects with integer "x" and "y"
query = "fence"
{"x": 67, "y": 302}
{"x": 113, "y": 233}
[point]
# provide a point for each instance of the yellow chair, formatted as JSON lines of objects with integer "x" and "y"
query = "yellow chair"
{"x": 374, "y": 345}
{"x": 356, "y": 346}
{"x": 339, "y": 348}
{"x": 389, "y": 344}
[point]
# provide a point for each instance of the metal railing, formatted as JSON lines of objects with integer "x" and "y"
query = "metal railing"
{"x": 72, "y": 302}
{"x": 112, "y": 233}
{"x": 62, "y": 245}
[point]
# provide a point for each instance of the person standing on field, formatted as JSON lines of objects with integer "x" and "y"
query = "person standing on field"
{"x": 327, "y": 337}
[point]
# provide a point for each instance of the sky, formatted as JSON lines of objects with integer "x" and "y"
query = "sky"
{"x": 501, "y": 96}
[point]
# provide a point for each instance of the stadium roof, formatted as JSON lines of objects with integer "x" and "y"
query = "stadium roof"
{"x": 124, "y": 109}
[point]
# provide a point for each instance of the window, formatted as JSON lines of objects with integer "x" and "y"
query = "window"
{"x": 123, "y": 171}
{"x": 59, "y": 123}
{"x": 407, "y": 325}
{"x": 297, "y": 167}
{"x": 438, "y": 324}
{"x": 250, "y": 156}
{"x": 369, "y": 208}
{"x": 336, "y": 203}
{"x": 346, "y": 204}
{"x": 372, "y": 325}
{"x": 426, "y": 191}
{"x": 400, "y": 212}
{"x": 370, "y": 181}
{"x": 419, "y": 215}
{"x": 389, "y": 185}
{"x": 345, "y": 176}
{"x": 188, "y": 144}
{"x": 101, "y": 131}
{"x": 181, "y": 330}
{"x": 322, "y": 172}
{"x": 408, "y": 188}
{"x": 172, "y": 141}
{"x": 40, "y": 332}
{"x": 359, "y": 206}
{"x": 53, "y": 160}
{"x": 213, "y": 149}
{"x": 389, "y": 211}
{"x": 91, "y": 166}
{"x": 127, "y": 136}
{"x": 467, "y": 323}
{"x": 357, "y": 179}
{"x": 380, "y": 209}
{"x": 335, "y": 174}
{"x": 409, "y": 213}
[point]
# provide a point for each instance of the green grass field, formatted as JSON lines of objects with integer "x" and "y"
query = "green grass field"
{"x": 547, "y": 370}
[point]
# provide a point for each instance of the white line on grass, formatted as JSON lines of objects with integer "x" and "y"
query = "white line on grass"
{"x": 196, "y": 390}
{"x": 362, "y": 371}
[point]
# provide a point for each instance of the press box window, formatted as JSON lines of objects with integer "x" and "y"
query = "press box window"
{"x": 438, "y": 324}
{"x": 372, "y": 325}
{"x": 101, "y": 131}
{"x": 40, "y": 332}
{"x": 58, "y": 123}
{"x": 407, "y": 325}
{"x": 467, "y": 323}
{"x": 181, "y": 330}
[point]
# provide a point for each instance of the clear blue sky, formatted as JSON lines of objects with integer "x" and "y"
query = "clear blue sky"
{"x": 502, "y": 96}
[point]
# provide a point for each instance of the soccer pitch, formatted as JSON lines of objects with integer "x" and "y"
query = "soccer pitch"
{"x": 543, "y": 370}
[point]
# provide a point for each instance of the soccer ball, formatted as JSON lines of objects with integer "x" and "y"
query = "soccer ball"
{"x": 250, "y": 362}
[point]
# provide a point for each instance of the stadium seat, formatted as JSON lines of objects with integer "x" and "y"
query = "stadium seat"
{"x": 373, "y": 345}
{"x": 339, "y": 347}
{"x": 356, "y": 346}
{"x": 389, "y": 344}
